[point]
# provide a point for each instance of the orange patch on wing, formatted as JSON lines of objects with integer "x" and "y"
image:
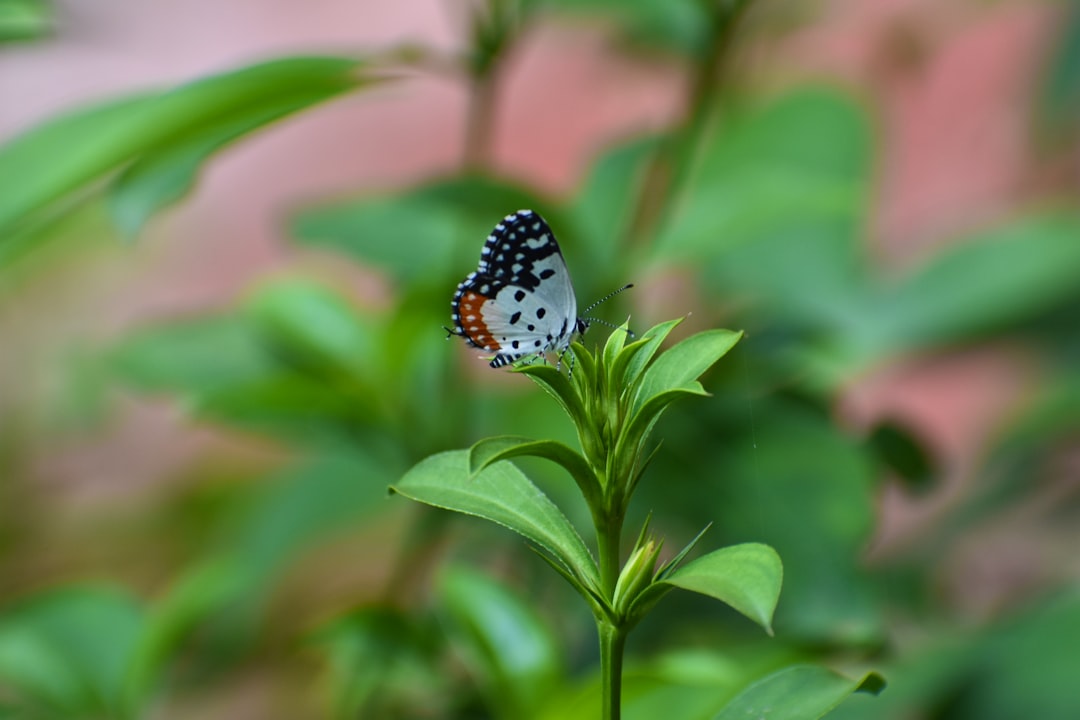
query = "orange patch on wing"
{"x": 472, "y": 320}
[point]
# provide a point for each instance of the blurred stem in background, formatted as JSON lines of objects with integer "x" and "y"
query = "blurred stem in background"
{"x": 494, "y": 28}
{"x": 674, "y": 157}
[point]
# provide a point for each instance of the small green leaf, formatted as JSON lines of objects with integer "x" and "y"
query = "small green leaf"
{"x": 614, "y": 345}
{"x": 802, "y": 692}
{"x": 505, "y": 447}
{"x": 635, "y": 356}
{"x": 680, "y": 366}
{"x": 670, "y": 377}
{"x": 512, "y": 654}
{"x": 645, "y": 419}
{"x": 559, "y": 387}
{"x": 747, "y": 577}
{"x": 670, "y": 566}
{"x": 503, "y": 495}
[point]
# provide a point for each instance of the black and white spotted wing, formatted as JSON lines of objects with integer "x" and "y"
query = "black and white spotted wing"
{"x": 519, "y": 301}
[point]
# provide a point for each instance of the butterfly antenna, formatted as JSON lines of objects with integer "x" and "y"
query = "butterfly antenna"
{"x": 605, "y": 299}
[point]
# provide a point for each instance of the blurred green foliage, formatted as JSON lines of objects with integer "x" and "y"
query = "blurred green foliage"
{"x": 24, "y": 20}
{"x": 764, "y": 216}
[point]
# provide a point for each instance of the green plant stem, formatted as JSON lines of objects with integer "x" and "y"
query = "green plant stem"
{"x": 608, "y": 534}
{"x": 480, "y": 124}
{"x": 612, "y": 631}
{"x": 612, "y": 644}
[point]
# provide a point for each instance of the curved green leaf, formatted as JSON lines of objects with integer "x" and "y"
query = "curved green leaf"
{"x": 802, "y": 692}
{"x": 614, "y": 346}
{"x": 491, "y": 450}
{"x": 502, "y": 494}
{"x": 632, "y": 361}
{"x": 642, "y": 423}
{"x": 166, "y": 135}
{"x": 747, "y": 577}
{"x": 684, "y": 363}
{"x": 556, "y": 384}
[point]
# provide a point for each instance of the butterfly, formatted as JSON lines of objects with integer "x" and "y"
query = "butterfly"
{"x": 519, "y": 301}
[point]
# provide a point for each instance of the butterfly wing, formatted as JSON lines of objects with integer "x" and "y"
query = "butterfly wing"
{"x": 520, "y": 300}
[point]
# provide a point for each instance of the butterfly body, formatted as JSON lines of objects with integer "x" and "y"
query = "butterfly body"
{"x": 519, "y": 301}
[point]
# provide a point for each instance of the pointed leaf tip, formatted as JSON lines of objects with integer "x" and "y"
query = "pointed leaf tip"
{"x": 747, "y": 577}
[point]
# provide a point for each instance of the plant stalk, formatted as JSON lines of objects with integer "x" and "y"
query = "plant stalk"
{"x": 608, "y": 534}
{"x": 612, "y": 644}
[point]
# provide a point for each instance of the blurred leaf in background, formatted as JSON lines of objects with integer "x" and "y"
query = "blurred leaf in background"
{"x": 151, "y": 146}
{"x": 22, "y": 20}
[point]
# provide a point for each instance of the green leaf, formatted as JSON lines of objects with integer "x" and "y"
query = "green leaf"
{"x": 193, "y": 597}
{"x": 160, "y": 178}
{"x": 673, "y": 376}
{"x": 512, "y": 653}
{"x": 747, "y": 577}
{"x": 501, "y": 494}
{"x": 803, "y": 157}
{"x": 614, "y": 345}
{"x": 491, "y": 450}
{"x": 24, "y": 19}
{"x": 983, "y": 284}
{"x": 194, "y": 356}
{"x": 316, "y": 327}
{"x": 559, "y": 387}
{"x": 668, "y": 567}
{"x": 680, "y": 366}
{"x": 69, "y": 650}
{"x": 808, "y": 490}
{"x": 162, "y": 137}
{"x": 637, "y": 359}
{"x": 802, "y": 692}
{"x": 605, "y": 205}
